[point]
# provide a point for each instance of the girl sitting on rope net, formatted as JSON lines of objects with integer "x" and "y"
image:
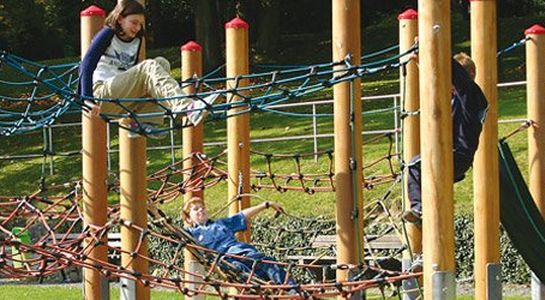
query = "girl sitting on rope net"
{"x": 111, "y": 69}
{"x": 219, "y": 235}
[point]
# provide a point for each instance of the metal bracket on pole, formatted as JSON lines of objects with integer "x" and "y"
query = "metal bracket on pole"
{"x": 128, "y": 289}
{"x": 104, "y": 288}
{"x": 359, "y": 295}
{"x": 493, "y": 273}
{"x": 411, "y": 287}
{"x": 443, "y": 285}
{"x": 538, "y": 289}
{"x": 195, "y": 267}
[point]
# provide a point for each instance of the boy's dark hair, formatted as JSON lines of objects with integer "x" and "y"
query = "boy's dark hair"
{"x": 123, "y": 9}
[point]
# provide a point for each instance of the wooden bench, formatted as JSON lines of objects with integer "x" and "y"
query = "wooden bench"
{"x": 378, "y": 243}
{"x": 114, "y": 241}
{"x": 385, "y": 242}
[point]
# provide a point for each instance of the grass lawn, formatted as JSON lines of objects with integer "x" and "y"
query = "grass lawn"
{"x": 53, "y": 292}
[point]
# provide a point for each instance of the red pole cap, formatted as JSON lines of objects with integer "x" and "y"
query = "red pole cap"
{"x": 536, "y": 29}
{"x": 93, "y": 10}
{"x": 409, "y": 14}
{"x": 191, "y": 46}
{"x": 237, "y": 23}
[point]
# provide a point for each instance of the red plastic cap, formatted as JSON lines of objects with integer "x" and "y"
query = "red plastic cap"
{"x": 536, "y": 29}
{"x": 409, "y": 14}
{"x": 93, "y": 10}
{"x": 191, "y": 46}
{"x": 237, "y": 23}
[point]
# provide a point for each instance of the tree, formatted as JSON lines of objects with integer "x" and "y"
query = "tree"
{"x": 269, "y": 26}
{"x": 207, "y": 32}
{"x": 24, "y": 30}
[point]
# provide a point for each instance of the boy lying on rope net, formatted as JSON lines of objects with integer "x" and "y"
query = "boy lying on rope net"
{"x": 111, "y": 69}
{"x": 219, "y": 235}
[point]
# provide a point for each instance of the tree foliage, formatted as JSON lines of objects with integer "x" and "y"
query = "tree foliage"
{"x": 40, "y": 29}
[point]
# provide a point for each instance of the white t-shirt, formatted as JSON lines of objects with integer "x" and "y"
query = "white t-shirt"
{"x": 117, "y": 58}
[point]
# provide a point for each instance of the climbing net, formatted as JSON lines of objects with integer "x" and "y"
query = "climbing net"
{"x": 53, "y": 92}
{"x": 43, "y": 233}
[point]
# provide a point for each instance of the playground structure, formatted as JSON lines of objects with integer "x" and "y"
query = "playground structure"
{"x": 439, "y": 263}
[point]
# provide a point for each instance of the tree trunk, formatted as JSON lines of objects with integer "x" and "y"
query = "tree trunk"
{"x": 269, "y": 26}
{"x": 207, "y": 32}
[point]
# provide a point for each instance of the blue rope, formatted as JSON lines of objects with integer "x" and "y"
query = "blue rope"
{"x": 60, "y": 80}
{"x": 512, "y": 47}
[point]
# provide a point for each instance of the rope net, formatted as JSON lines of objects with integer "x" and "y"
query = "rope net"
{"x": 43, "y": 234}
{"x": 53, "y": 92}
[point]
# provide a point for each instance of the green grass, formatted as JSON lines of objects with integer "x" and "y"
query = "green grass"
{"x": 50, "y": 292}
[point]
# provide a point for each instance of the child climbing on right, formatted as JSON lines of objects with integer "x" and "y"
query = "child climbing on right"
{"x": 469, "y": 108}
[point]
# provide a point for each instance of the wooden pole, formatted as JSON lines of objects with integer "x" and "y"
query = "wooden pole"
{"x": 238, "y": 125}
{"x": 192, "y": 142}
{"x": 410, "y": 93}
{"x": 486, "y": 165}
{"x": 346, "y": 40}
{"x": 437, "y": 167}
{"x": 535, "y": 80}
{"x": 408, "y": 31}
{"x": 133, "y": 200}
{"x": 94, "y": 168}
{"x": 132, "y": 170}
{"x": 192, "y": 136}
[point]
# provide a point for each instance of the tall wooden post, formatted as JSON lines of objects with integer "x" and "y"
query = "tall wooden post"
{"x": 94, "y": 167}
{"x": 346, "y": 40}
{"x": 535, "y": 80}
{"x": 192, "y": 142}
{"x": 133, "y": 200}
{"x": 192, "y": 136}
{"x": 132, "y": 170}
{"x": 434, "y": 32}
{"x": 238, "y": 125}
{"x": 410, "y": 92}
{"x": 486, "y": 165}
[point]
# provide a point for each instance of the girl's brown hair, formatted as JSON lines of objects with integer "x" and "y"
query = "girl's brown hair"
{"x": 123, "y": 9}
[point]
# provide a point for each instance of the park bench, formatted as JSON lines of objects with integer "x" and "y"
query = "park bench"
{"x": 114, "y": 241}
{"x": 376, "y": 243}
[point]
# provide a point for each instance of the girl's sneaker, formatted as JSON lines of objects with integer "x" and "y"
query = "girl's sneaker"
{"x": 199, "y": 108}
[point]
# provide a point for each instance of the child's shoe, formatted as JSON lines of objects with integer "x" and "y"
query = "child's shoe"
{"x": 199, "y": 108}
